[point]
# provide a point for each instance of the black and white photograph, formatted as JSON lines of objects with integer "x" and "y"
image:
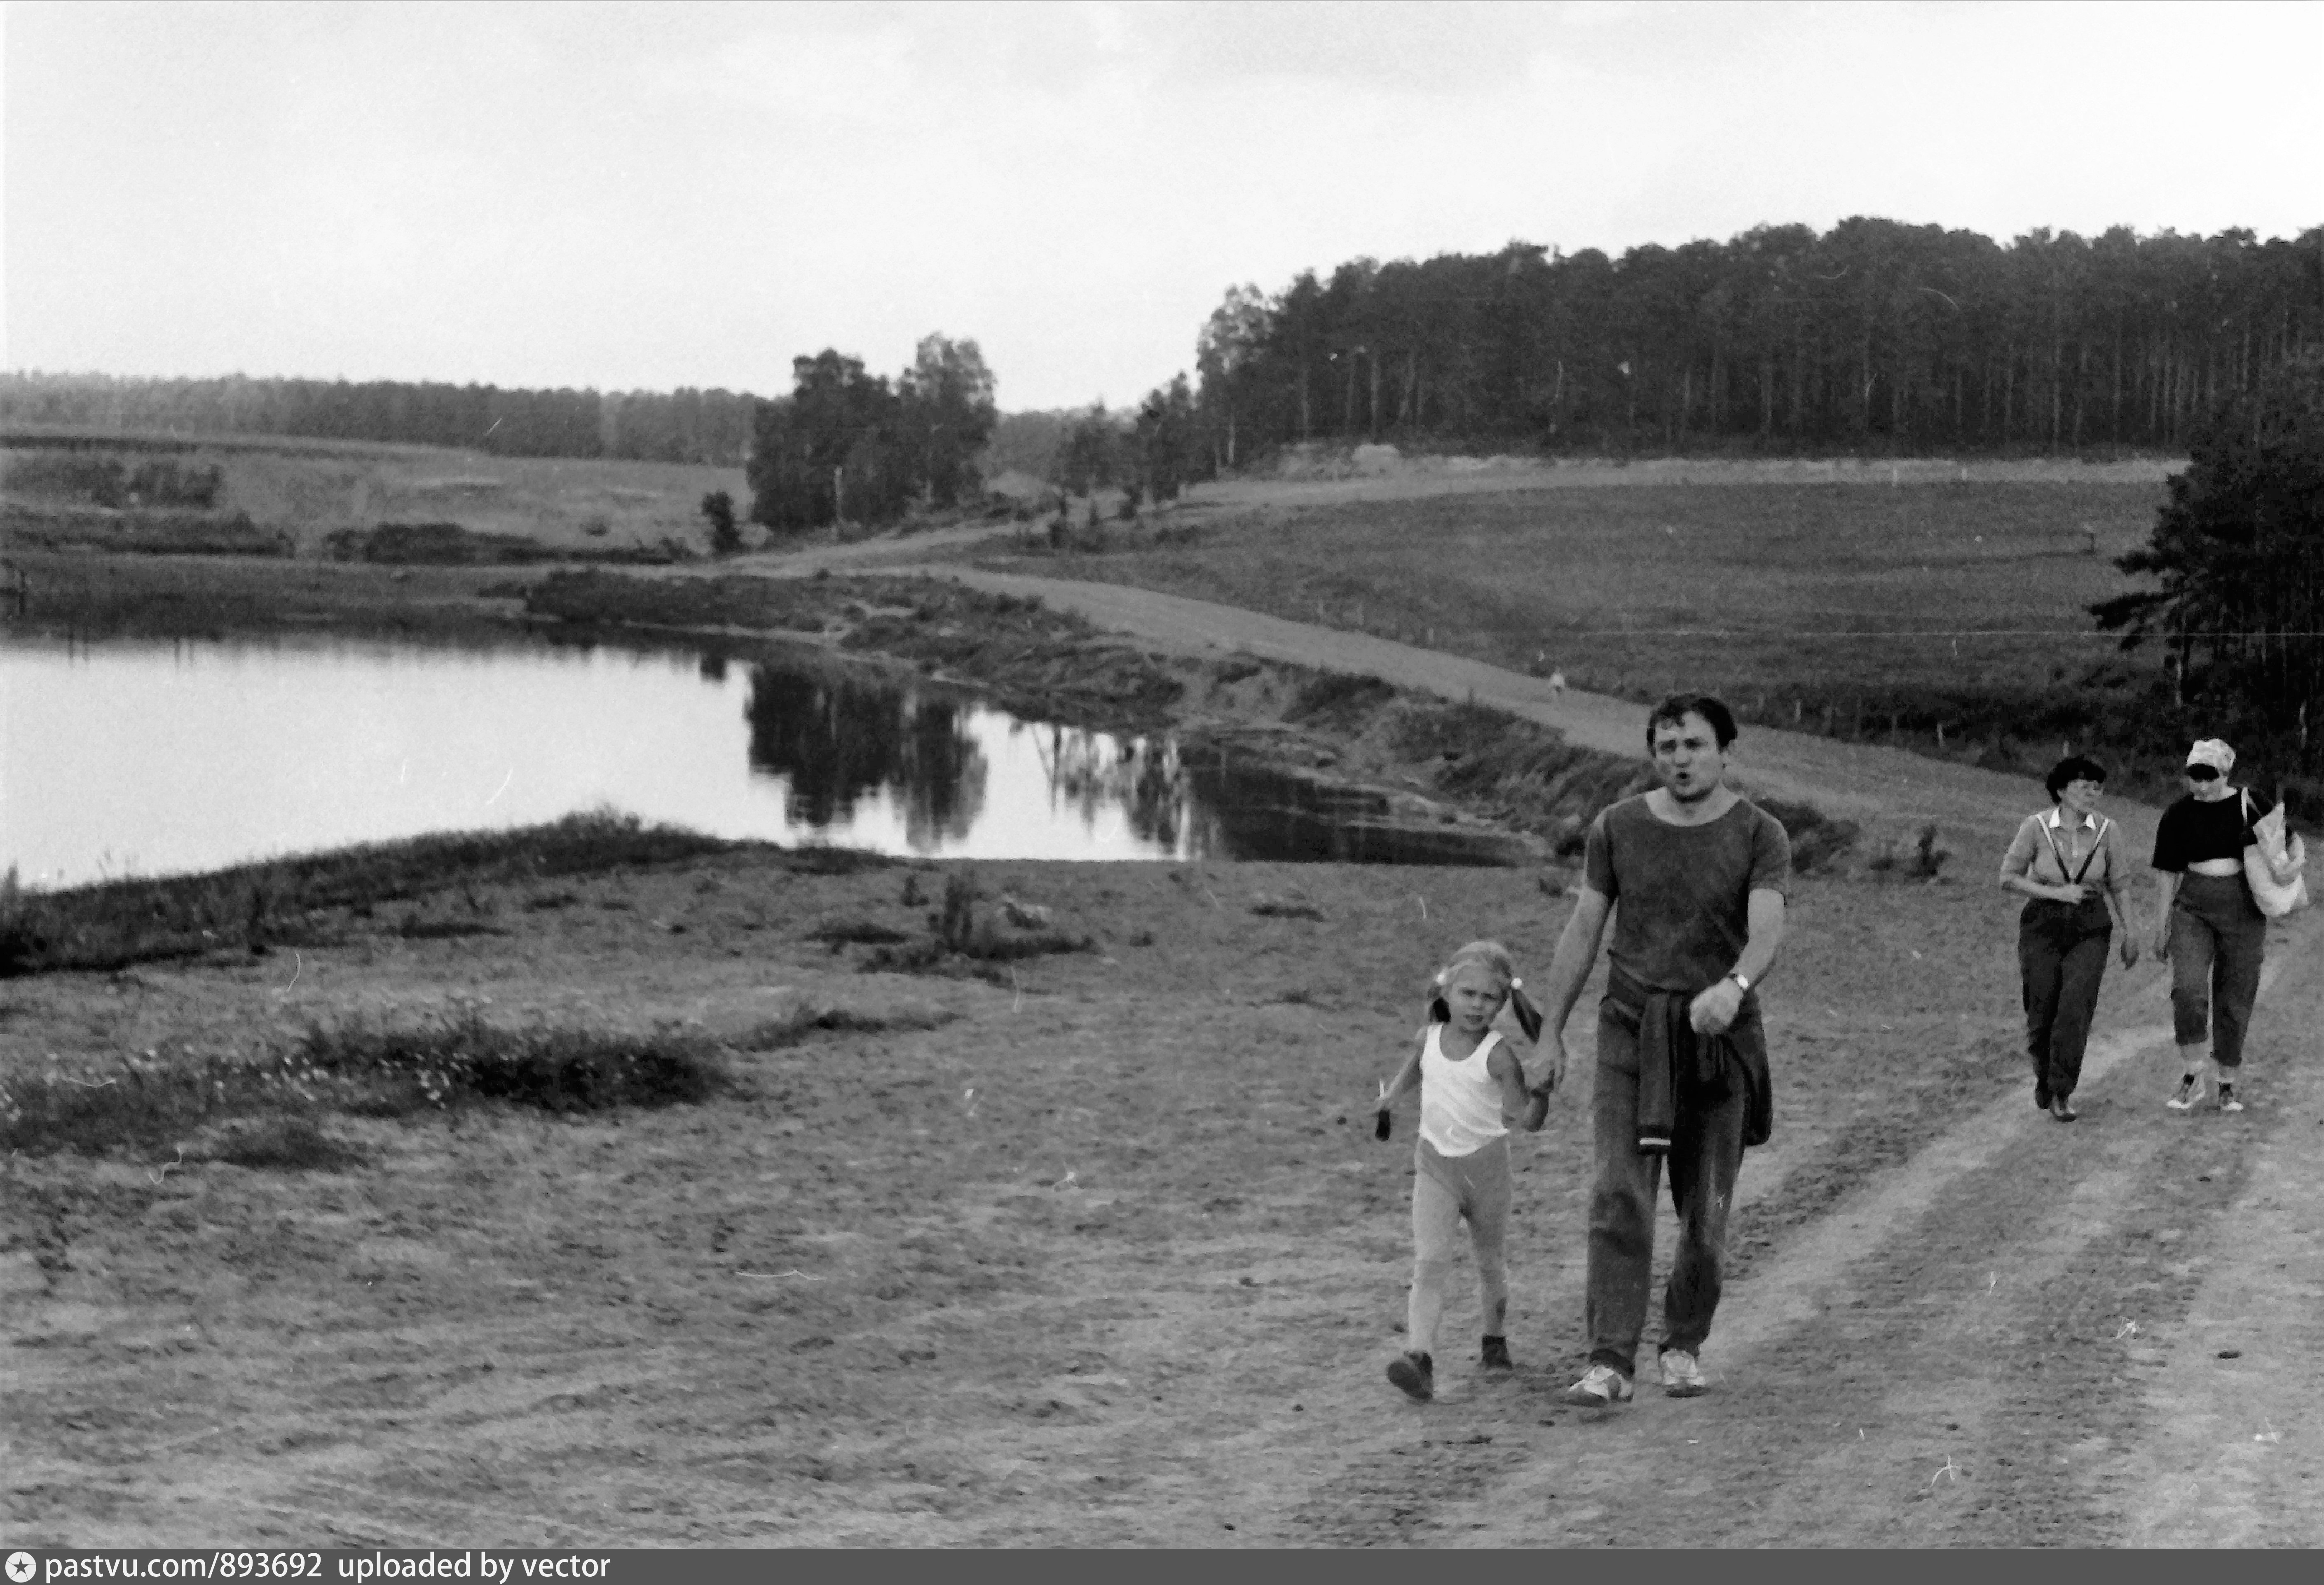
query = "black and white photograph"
{"x": 1161, "y": 776}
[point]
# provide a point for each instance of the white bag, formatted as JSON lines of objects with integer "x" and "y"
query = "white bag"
{"x": 2269, "y": 856}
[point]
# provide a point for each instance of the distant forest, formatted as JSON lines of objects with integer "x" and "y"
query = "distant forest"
{"x": 679, "y": 426}
{"x": 1875, "y": 336}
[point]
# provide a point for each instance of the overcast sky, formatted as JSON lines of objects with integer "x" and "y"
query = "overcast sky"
{"x": 642, "y": 198}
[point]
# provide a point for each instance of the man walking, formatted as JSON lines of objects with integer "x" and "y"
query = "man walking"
{"x": 1695, "y": 877}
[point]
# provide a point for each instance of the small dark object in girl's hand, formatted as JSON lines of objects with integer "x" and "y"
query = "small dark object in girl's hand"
{"x": 1381, "y": 1122}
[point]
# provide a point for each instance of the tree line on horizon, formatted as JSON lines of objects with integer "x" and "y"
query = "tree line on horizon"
{"x": 1875, "y": 335}
{"x": 681, "y": 426}
{"x": 848, "y": 445}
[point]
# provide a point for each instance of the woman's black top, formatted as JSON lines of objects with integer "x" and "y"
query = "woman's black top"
{"x": 2192, "y": 830}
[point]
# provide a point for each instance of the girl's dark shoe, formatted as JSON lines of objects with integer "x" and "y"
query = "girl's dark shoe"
{"x": 2062, "y": 1109}
{"x": 1496, "y": 1354}
{"x": 1415, "y": 1375}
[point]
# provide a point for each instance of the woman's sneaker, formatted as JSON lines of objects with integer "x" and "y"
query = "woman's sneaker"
{"x": 1601, "y": 1386}
{"x": 2189, "y": 1091}
{"x": 1415, "y": 1374}
{"x": 2227, "y": 1101}
{"x": 1682, "y": 1375}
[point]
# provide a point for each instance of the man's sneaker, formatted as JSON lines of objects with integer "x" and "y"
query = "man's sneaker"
{"x": 2227, "y": 1101}
{"x": 1681, "y": 1376}
{"x": 1415, "y": 1374}
{"x": 2189, "y": 1091}
{"x": 1496, "y": 1354}
{"x": 1601, "y": 1386}
{"x": 2062, "y": 1109}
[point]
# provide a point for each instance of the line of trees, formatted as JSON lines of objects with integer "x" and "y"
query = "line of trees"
{"x": 685, "y": 426}
{"x": 2236, "y": 561}
{"x": 1873, "y": 334}
{"x": 847, "y": 446}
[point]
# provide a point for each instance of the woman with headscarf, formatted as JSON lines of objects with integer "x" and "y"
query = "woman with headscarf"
{"x": 2068, "y": 863}
{"x": 2207, "y": 924}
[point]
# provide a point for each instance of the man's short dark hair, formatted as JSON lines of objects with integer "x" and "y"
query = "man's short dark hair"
{"x": 1679, "y": 706}
{"x": 2073, "y": 768}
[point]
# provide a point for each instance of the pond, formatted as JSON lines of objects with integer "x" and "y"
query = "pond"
{"x": 160, "y": 756}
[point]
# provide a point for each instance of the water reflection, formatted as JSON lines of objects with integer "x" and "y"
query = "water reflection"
{"x": 1091, "y": 771}
{"x": 158, "y": 757}
{"x": 839, "y": 742}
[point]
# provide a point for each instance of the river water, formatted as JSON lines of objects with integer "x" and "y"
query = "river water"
{"x": 160, "y": 756}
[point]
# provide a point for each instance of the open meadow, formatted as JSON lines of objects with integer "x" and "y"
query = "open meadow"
{"x": 1866, "y": 610}
{"x": 309, "y": 490}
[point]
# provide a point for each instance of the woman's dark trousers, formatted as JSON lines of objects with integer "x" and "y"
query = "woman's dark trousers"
{"x": 2061, "y": 952}
{"x": 2218, "y": 938}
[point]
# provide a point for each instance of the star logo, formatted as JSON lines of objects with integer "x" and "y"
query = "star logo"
{"x": 21, "y": 1567}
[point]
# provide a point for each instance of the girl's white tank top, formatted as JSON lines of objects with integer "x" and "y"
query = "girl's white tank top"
{"x": 1459, "y": 1101}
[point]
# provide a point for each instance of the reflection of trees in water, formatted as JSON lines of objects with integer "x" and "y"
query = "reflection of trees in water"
{"x": 838, "y": 741}
{"x": 1093, "y": 770}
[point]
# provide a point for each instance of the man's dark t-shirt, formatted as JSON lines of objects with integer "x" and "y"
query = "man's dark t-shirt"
{"x": 1682, "y": 893}
{"x": 2192, "y": 830}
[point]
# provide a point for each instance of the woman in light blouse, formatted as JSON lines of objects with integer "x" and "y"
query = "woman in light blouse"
{"x": 2068, "y": 863}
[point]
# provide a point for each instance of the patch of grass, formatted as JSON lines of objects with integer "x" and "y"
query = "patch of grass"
{"x": 448, "y": 544}
{"x": 284, "y": 1141}
{"x": 115, "y": 924}
{"x": 1816, "y": 838}
{"x": 961, "y": 940}
{"x": 365, "y": 1068}
{"x": 803, "y": 1022}
{"x": 857, "y": 932}
{"x": 1336, "y": 698}
{"x": 415, "y": 929}
{"x": 461, "y": 1056}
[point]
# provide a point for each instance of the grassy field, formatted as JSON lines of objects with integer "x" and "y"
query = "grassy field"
{"x": 1891, "y": 614}
{"x": 309, "y": 491}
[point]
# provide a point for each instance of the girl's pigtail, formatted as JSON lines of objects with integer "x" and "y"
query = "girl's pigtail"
{"x": 1440, "y": 1011}
{"x": 1529, "y": 1015}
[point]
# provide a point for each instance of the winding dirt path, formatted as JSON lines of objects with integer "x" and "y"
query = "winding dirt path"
{"x": 2020, "y": 1335}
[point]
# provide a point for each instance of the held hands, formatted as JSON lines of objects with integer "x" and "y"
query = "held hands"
{"x": 1714, "y": 1010}
{"x": 2162, "y": 944}
{"x": 1536, "y": 1112}
{"x": 2129, "y": 949}
{"x": 2072, "y": 892}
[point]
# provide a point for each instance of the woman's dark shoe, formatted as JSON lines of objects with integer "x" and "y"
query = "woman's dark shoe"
{"x": 2041, "y": 1096}
{"x": 2062, "y": 1109}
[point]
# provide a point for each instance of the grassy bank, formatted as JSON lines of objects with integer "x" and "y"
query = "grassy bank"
{"x": 251, "y": 908}
{"x": 1946, "y": 617}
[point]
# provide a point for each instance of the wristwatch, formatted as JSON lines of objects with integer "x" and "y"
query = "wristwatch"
{"x": 1742, "y": 981}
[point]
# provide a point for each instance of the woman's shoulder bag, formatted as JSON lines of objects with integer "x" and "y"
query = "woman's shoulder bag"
{"x": 2264, "y": 858}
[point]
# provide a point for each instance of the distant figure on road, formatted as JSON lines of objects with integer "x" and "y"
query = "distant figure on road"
{"x": 2068, "y": 863}
{"x": 2208, "y": 925}
{"x": 1557, "y": 682}
{"x": 1695, "y": 877}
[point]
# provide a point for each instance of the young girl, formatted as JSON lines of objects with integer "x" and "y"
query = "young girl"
{"x": 1471, "y": 1085}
